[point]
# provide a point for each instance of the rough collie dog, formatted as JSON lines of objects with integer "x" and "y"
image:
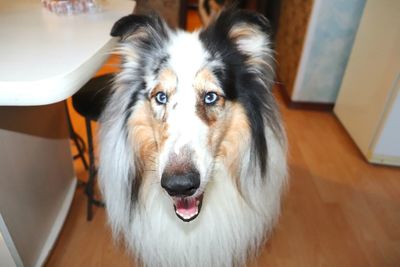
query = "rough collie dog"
{"x": 192, "y": 161}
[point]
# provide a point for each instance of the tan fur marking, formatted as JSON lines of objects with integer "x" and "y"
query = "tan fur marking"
{"x": 235, "y": 139}
{"x": 160, "y": 133}
{"x": 243, "y": 31}
{"x": 167, "y": 83}
{"x": 142, "y": 137}
{"x": 147, "y": 136}
{"x": 205, "y": 82}
{"x": 247, "y": 32}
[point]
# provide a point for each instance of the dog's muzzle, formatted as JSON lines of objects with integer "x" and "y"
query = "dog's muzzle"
{"x": 183, "y": 188}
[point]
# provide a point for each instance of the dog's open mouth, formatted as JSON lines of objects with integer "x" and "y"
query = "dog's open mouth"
{"x": 188, "y": 208}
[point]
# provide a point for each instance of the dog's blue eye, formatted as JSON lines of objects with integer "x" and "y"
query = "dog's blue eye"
{"x": 161, "y": 98}
{"x": 211, "y": 98}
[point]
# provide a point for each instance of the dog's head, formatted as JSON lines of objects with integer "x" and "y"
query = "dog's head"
{"x": 185, "y": 103}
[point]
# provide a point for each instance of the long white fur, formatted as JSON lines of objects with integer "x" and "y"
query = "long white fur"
{"x": 228, "y": 229}
{"x": 232, "y": 224}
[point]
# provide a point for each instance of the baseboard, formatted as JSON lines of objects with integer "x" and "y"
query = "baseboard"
{"x": 300, "y": 104}
{"x": 384, "y": 160}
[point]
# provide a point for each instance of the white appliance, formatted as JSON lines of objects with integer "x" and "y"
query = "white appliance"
{"x": 368, "y": 104}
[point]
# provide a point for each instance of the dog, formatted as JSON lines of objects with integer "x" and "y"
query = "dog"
{"x": 192, "y": 160}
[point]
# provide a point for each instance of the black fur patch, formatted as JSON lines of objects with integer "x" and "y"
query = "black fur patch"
{"x": 136, "y": 181}
{"x": 134, "y": 98}
{"x": 129, "y": 24}
{"x": 238, "y": 82}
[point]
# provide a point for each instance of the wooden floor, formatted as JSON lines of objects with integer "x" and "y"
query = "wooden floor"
{"x": 338, "y": 210}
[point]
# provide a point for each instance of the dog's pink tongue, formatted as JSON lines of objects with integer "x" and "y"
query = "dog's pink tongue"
{"x": 186, "y": 207}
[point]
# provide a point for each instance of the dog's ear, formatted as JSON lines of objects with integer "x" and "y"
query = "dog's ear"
{"x": 143, "y": 25}
{"x": 248, "y": 31}
{"x": 241, "y": 40}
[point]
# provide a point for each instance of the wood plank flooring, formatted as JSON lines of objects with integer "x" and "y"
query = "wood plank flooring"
{"x": 339, "y": 210}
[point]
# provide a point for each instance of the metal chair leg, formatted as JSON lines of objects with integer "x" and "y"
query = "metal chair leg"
{"x": 78, "y": 141}
{"x": 80, "y": 145}
{"x": 92, "y": 170}
{"x": 91, "y": 200}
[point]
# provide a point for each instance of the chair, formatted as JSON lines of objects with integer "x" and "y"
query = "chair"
{"x": 77, "y": 139}
{"x": 89, "y": 102}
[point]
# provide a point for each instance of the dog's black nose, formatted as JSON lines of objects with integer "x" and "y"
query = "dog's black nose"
{"x": 181, "y": 184}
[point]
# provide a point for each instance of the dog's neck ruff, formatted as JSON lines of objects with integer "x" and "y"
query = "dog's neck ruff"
{"x": 226, "y": 232}
{"x": 193, "y": 154}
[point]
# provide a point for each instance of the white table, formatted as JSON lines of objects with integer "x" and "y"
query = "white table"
{"x": 44, "y": 59}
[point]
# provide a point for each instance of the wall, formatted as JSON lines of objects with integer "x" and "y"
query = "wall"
{"x": 327, "y": 47}
{"x": 388, "y": 143}
{"x": 368, "y": 102}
